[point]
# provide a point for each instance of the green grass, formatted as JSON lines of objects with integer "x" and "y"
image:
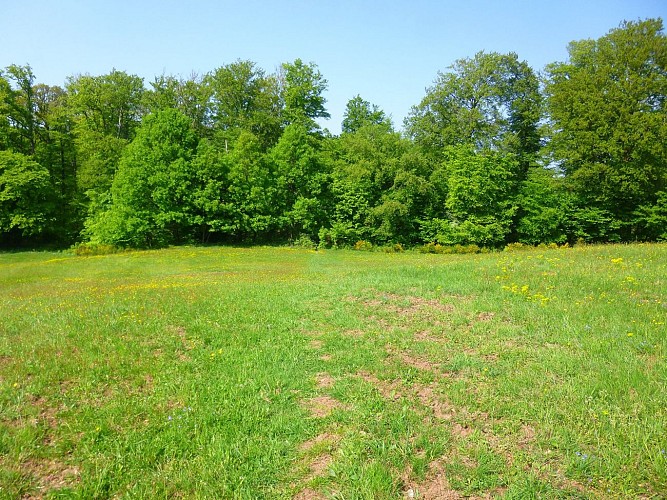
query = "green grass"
{"x": 281, "y": 373}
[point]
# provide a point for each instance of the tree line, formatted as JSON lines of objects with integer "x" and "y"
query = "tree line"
{"x": 494, "y": 153}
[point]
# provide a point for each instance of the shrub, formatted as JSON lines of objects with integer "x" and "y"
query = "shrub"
{"x": 428, "y": 248}
{"x": 89, "y": 249}
{"x": 517, "y": 247}
{"x": 363, "y": 245}
{"x": 452, "y": 249}
{"x": 305, "y": 241}
{"x": 395, "y": 248}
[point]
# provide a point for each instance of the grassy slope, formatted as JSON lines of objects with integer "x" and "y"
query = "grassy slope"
{"x": 223, "y": 372}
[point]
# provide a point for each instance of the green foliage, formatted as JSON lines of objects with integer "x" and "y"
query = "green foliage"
{"x": 151, "y": 191}
{"x": 339, "y": 235}
{"x": 480, "y": 163}
{"x": 91, "y": 249}
{"x": 251, "y": 193}
{"x": 26, "y": 196}
{"x": 608, "y": 114}
{"x": 652, "y": 219}
{"x": 17, "y": 102}
{"x": 593, "y": 225}
{"x": 362, "y": 245}
{"x": 244, "y": 98}
{"x": 301, "y": 181}
{"x": 480, "y": 200}
{"x": 437, "y": 248}
{"x": 305, "y": 241}
{"x": 491, "y": 102}
{"x": 302, "y": 89}
{"x": 108, "y": 104}
{"x": 359, "y": 113}
{"x": 212, "y": 210}
{"x": 106, "y": 111}
{"x": 544, "y": 208}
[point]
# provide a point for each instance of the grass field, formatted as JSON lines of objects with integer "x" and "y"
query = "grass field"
{"x": 284, "y": 373}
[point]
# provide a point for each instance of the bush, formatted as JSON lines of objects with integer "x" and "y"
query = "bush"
{"x": 428, "y": 248}
{"x": 472, "y": 248}
{"x": 517, "y": 247}
{"x": 363, "y": 246}
{"x": 451, "y": 249}
{"x": 304, "y": 241}
{"x": 89, "y": 249}
{"x": 395, "y": 248}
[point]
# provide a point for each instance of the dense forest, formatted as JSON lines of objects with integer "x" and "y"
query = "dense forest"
{"x": 495, "y": 153}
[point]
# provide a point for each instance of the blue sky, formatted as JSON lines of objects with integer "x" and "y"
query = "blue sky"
{"x": 388, "y": 52}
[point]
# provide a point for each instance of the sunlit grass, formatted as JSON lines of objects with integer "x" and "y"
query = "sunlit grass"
{"x": 275, "y": 372}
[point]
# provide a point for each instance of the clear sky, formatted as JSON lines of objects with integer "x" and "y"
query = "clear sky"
{"x": 386, "y": 51}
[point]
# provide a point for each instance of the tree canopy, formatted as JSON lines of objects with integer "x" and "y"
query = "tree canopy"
{"x": 491, "y": 155}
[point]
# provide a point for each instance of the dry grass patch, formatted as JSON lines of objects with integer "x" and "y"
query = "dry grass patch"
{"x": 320, "y": 465}
{"x": 354, "y": 333}
{"x": 418, "y": 362}
{"x": 51, "y": 475}
{"x": 388, "y": 390}
{"x": 442, "y": 408}
{"x": 325, "y": 439}
{"x": 485, "y": 316}
{"x": 408, "y": 306}
{"x": 462, "y": 431}
{"x": 324, "y": 380}
{"x": 316, "y": 344}
{"x": 309, "y": 494}
{"x": 434, "y": 487}
{"x": 322, "y": 406}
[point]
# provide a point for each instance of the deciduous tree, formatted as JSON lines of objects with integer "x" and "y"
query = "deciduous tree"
{"x": 609, "y": 120}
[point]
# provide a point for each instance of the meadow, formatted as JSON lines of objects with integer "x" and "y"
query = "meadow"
{"x": 222, "y": 372}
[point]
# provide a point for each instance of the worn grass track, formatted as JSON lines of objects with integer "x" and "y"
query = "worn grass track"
{"x": 282, "y": 373}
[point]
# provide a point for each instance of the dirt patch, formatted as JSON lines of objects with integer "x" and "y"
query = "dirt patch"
{"x": 324, "y": 438}
{"x": 5, "y": 360}
{"x": 47, "y": 414}
{"x": 388, "y": 390}
{"x": 373, "y": 303}
{"x": 181, "y": 333}
{"x": 309, "y": 494}
{"x": 320, "y": 465}
{"x": 412, "y": 360}
{"x": 429, "y": 336}
{"x": 316, "y": 344}
{"x": 186, "y": 344}
{"x": 426, "y": 394}
{"x": 485, "y": 316}
{"x": 418, "y": 362}
{"x": 326, "y": 357}
{"x": 462, "y": 431}
{"x": 51, "y": 475}
{"x": 324, "y": 380}
{"x": 442, "y": 409}
{"x": 382, "y": 323}
{"x": 527, "y": 434}
{"x": 434, "y": 487}
{"x": 407, "y": 305}
{"x": 322, "y": 406}
{"x": 354, "y": 333}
